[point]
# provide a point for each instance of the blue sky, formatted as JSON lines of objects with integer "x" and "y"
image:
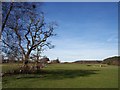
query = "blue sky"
{"x": 86, "y": 31}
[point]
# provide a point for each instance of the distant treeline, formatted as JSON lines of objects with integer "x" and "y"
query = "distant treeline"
{"x": 110, "y": 61}
{"x": 88, "y": 62}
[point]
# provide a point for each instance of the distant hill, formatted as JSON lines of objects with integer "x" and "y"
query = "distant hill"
{"x": 112, "y": 60}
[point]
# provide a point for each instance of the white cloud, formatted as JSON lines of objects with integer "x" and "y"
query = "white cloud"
{"x": 113, "y": 38}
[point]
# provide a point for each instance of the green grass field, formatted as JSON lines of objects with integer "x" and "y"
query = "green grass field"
{"x": 64, "y": 76}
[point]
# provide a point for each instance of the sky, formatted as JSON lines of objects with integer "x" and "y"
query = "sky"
{"x": 86, "y": 30}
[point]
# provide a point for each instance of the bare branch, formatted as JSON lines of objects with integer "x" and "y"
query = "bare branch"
{"x": 7, "y": 15}
{"x": 28, "y": 41}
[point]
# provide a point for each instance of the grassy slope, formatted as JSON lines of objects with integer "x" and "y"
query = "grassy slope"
{"x": 67, "y": 76}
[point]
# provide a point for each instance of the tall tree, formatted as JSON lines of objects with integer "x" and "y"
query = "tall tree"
{"x": 9, "y": 11}
{"x": 28, "y": 32}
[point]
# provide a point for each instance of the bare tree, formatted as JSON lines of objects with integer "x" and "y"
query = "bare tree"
{"x": 15, "y": 13}
{"x": 30, "y": 35}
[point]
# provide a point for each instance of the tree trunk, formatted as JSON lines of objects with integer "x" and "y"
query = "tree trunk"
{"x": 25, "y": 65}
{"x": 26, "y": 58}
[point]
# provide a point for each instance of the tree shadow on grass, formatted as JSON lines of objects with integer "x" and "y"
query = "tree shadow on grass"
{"x": 58, "y": 74}
{"x": 61, "y": 74}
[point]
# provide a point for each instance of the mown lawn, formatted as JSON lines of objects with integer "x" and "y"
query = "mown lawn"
{"x": 64, "y": 76}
